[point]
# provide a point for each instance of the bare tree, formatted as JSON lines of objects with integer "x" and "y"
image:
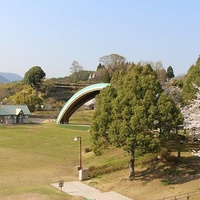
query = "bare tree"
{"x": 112, "y": 60}
{"x": 74, "y": 69}
{"x": 158, "y": 68}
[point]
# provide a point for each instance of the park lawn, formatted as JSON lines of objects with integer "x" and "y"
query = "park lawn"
{"x": 82, "y": 117}
{"x": 35, "y": 155}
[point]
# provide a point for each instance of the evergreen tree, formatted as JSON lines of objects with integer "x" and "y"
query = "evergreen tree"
{"x": 169, "y": 116}
{"x": 170, "y": 73}
{"x": 34, "y": 76}
{"x": 126, "y": 112}
{"x": 100, "y": 66}
{"x": 106, "y": 78}
{"x": 191, "y": 80}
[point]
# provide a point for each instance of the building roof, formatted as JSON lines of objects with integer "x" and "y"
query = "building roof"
{"x": 14, "y": 109}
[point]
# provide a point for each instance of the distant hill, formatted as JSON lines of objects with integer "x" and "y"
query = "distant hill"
{"x": 3, "y": 80}
{"x": 9, "y": 77}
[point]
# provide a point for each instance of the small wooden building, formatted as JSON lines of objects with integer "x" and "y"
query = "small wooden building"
{"x": 14, "y": 114}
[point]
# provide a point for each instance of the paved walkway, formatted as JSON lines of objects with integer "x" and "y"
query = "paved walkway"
{"x": 76, "y": 188}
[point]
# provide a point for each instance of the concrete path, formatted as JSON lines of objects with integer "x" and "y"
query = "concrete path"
{"x": 76, "y": 188}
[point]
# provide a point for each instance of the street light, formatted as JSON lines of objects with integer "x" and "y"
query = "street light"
{"x": 80, "y": 159}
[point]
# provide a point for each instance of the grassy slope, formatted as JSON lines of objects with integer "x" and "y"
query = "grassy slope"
{"x": 33, "y": 156}
{"x": 149, "y": 184}
{"x": 152, "y": 181}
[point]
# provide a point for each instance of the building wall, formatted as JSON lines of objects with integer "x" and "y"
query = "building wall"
{"x": 14, "y": 119}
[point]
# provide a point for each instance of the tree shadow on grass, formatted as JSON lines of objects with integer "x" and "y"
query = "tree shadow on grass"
{"x": 176, "y": 171}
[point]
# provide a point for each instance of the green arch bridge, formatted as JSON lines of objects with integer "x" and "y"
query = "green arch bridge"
{"x": 77, "y": 100}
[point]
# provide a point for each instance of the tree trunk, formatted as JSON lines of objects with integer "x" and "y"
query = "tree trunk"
{"x": 132, "y": 167}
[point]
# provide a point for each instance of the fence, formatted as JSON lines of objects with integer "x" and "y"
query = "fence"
{"x": 186, "y": 196}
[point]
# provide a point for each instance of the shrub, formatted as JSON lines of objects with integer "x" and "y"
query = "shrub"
{"x": 171, "y": 172}
{"x": 94, "y": 171}
{"x": 87, "y": 150}
{"x": 166, "y": 182}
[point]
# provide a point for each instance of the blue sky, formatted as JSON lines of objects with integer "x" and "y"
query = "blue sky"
{"x": 53, "y": 33}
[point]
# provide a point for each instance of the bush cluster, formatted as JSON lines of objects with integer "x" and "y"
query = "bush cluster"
{"x": 171, "y": 172}
{"x": 87, "y": 150}
{"x": 94, "y": 171}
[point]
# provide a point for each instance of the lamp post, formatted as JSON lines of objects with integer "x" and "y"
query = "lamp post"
{"x": 80, "y": 152}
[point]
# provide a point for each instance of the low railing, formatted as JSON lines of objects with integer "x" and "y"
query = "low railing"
{"x": 187, "y": 196}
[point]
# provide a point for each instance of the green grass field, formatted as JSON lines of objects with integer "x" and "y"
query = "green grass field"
{"x": 33, "y": 156}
